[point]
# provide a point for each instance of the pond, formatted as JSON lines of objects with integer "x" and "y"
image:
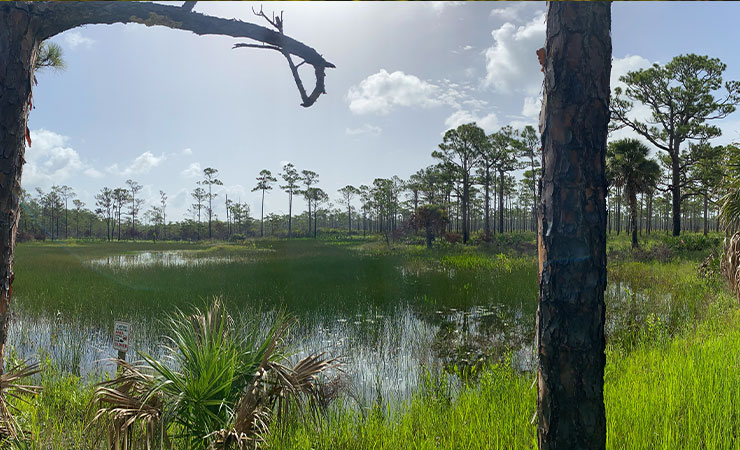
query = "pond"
{"x": 391, "y": 317}
{"x": 171, "y": 258}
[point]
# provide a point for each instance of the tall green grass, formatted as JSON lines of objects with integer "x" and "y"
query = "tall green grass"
{"x": 673, "y": 358}
{"x": 682, "y": 393}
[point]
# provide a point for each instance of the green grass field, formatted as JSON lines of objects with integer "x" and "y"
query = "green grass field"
{"x": 673, "y": 356}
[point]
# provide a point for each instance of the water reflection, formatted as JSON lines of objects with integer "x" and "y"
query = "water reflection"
{"x": 172, "y": 258}
{"x": 386, "y": 351}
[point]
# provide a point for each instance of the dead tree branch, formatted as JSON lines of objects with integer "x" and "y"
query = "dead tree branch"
{"x": 63, "y": 16}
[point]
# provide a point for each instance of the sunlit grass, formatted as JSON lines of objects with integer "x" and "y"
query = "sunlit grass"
{"x": 673, "y": 358}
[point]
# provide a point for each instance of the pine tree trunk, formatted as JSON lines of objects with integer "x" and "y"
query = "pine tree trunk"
{"x": 487, "y": 211}
{"x": 619, "y": 210}
{"x": 706, "y": 222}
{"x": 633, "y": 216}
{"x": 465, "y": 206}
{"x": 18, "y": 52}
{"x": 676, "y": 194}
{"x": 290, "y": 214}
{"x": 570, "y": 314}
{"x": 501, "y": 202}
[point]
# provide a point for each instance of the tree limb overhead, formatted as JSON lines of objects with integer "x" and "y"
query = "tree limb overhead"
{"x": 57, "y": 17}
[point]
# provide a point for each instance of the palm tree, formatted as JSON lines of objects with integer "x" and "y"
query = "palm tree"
{"x": 729, "y": 213}
{"x": 628, "y": 166}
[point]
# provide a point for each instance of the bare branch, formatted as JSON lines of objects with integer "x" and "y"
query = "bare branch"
{"x": 268, "y": 47}
{"x": 188, "y": 6}
{"x": 56, "y": 17}
{"x": 275, "y": 22}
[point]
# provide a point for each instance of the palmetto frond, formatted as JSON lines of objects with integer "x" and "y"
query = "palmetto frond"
{"x": 12, "y": 386}
{"x": 127, "y": 400}
{"x": 223, "y": 387}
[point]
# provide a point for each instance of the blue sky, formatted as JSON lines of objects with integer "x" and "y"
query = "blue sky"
{"x": 158, "y": 105}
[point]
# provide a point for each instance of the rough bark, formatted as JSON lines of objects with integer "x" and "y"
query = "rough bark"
{"x": 18, "y": 51}
{"x": 570, "y": 315}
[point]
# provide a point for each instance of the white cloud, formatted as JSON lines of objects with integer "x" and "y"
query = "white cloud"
{"x": 519, "y": 124}
{"x": 140, "y": 165}
{"x": 511, "y": 63}
{"x": 621, "y": 66}
{"x": 381, "y": 92}
{"x": 512, "y": 12}
{"x": 532, "y": 107}
{"x": 440, "y": 6}
{"x": 75, "y": 39}
{"x": 365, "y": 129}
{"x": 641, "y": 112}
{"x": 187, "y": 151}
{"x": 488, "y": 122}
{"x": 93, "y": 172}
{"x": 235, "y": 192}
{"x": 50, "y": 160}
{"x": 193, "y": 171}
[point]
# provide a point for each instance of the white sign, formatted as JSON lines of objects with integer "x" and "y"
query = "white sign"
{"x": 121, "y": 332}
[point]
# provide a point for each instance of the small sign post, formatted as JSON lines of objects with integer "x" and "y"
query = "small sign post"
{"x": 121, "y": 332}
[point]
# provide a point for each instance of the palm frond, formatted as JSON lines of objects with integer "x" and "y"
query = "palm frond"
{"x": 12, "y": 386}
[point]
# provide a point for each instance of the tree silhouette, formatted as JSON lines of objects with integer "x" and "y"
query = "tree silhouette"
{"x": 461, "y": 151}
{"x": 348, "y": 193}
{"x": 291, "y": 177}
{"x": 308, "y": 178}
{"x": 134, "y": 188}
{"x": 200, "y": 196}
{"x": 264, "y": 183}
{"x": 210, "y": 180}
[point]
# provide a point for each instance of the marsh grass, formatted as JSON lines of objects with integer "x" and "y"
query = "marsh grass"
{"x": 402, "y": 313}
{"x": 676, "y": 389}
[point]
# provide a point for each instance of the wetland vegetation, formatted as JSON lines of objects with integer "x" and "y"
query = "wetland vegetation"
{"x": 436, "y": 344}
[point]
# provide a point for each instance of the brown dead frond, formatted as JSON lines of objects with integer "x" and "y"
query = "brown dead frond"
{"x": 730, "y": 264}
{"x": 12, "y": 386}
{"x": 127, "y": 400}
{"x": 275, "y": 387}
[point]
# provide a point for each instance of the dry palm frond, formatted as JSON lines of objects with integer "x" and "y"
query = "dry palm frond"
{"x": 11, "y": 385}
{"x": 127, "y": 400}
{"x": 730, "y": 264}
{"x": 274, "y": 387}
{"x": 222, "y": 389}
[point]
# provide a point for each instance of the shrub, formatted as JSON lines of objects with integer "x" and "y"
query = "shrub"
{"x": 692, "y": 242}
{"x": 220, "y": 388}
{"x": 452, "y": 238}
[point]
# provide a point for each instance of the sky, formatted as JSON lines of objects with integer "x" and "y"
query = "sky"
{"x": 158, "y": 105}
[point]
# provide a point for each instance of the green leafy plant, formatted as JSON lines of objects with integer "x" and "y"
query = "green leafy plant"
{"x": 220, "y": 386}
